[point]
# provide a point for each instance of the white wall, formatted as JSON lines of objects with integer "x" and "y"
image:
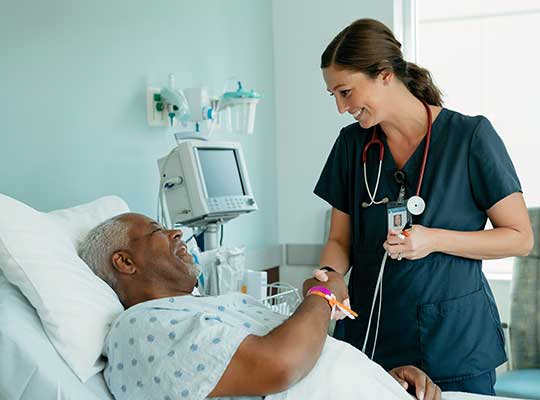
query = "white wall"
{"x": 307, "y": 122}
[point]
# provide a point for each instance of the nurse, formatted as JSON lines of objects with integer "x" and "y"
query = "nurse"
{"x": 438, "y": 312}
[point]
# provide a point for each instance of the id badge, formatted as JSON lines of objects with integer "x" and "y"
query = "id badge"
{"x": 398, "y": 216}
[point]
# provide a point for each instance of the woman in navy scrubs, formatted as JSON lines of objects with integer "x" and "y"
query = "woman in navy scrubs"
{"x": 438, "y": 311}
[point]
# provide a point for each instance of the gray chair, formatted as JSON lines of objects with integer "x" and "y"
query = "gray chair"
{"x": 523, "y": 378}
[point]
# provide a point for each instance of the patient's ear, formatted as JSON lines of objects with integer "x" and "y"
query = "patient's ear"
{"x": 123, "y": 263}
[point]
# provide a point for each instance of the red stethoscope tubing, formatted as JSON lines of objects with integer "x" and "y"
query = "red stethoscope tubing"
{"x": 375, "y": 140}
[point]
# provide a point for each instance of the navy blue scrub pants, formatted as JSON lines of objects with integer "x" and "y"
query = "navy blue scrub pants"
{"x": 479, "y": 384}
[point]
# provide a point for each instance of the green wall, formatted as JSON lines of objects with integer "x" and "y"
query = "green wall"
{"x": 73, "y": 79}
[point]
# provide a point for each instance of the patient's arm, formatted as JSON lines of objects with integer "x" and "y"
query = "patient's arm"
{"x": 272, "y": 363}
{"x": 417, "y": 382}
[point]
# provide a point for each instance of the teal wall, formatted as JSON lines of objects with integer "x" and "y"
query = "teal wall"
{"x": 73, "y": 79}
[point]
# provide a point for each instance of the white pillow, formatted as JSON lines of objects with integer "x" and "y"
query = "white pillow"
{"x": 38, "y": 254}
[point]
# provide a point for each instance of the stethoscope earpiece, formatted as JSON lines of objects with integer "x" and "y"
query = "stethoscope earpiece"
{"x": 382, "y": 201}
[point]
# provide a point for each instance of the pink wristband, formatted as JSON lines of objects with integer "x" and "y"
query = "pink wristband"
{"x": 321, "y": 289}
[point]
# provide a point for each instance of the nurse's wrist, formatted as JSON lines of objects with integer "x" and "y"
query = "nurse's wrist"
{"x": 329, "y": 268}
{"x": 437, "y": 240}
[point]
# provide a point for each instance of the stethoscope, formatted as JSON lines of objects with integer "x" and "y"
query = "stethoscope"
{"x": 416, "y": 205}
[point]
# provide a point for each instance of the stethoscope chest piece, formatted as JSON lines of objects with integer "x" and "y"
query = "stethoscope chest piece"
{"x": 416, "y": 205}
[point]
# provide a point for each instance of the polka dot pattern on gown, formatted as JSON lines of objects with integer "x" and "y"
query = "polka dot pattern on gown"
{"x": 149, "y": 345}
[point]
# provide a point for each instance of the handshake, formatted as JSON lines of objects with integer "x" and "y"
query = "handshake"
{"x": 334, "y": 282}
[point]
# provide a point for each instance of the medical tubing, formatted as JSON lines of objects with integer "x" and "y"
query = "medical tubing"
{"x": 372, "y": 197}
{"x": 377, "y": 285}
{"x": 378, "y": 323}
{"x": 426, "y": 149}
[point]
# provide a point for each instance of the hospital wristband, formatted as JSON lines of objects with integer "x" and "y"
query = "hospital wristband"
{"x": 325, "y": 293}
{"x": 324, "y": 296}
{"x": 321, "y": 289}
{"x": 332, "y": 301}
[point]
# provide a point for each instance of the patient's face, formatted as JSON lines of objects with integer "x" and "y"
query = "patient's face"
{"x": 160, "y": 254}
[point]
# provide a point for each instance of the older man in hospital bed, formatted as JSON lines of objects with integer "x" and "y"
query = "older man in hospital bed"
{"x": 55, "y": 315}
{"x": 169, "y": 344}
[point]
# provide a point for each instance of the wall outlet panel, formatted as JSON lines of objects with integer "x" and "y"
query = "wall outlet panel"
{"x": 153, "y": 116}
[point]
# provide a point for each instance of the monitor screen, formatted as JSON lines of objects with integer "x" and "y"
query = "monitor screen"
{"x": 220, "y": 171}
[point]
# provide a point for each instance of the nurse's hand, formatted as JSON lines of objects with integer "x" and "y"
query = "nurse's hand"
{"x": 415, "y": 243}
{"x": 416, "y": 381}
{"x": 322, "y": 276}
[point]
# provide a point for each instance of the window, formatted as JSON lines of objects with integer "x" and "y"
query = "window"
{"x": 484, "y": 57}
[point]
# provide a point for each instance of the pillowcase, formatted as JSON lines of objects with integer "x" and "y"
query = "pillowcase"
{"x": 31, "y": 367}
{"x": 38, "y": 254}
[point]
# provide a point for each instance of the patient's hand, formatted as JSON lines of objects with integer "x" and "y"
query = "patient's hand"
{"x": 322, "y": 275}
{"x": 334, "y": 283}
{"x": 417, "y": 382}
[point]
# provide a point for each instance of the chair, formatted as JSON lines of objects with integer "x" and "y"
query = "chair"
{"x": 523, "y": 378}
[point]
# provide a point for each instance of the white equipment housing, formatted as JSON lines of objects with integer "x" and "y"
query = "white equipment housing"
{"x": 205, "y": 182}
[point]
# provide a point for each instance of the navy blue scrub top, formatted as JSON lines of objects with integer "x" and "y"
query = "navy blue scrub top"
{"x": 438, "y": 313}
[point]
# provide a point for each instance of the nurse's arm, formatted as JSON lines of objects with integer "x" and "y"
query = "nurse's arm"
{"x": 335, "y": 253}
{"x": 511, "y": 234}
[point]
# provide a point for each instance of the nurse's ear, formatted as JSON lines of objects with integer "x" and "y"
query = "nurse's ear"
{"x": 386, "y": 76}
{"x": 123, "y": 263}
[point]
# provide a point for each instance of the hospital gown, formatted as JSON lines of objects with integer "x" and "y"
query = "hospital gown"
{"x": 179, "y": 347}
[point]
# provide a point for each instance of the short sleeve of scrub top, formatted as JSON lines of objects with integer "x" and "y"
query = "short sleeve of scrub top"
{"x": 491, "y": 171}
{"x": 334, "y": 184}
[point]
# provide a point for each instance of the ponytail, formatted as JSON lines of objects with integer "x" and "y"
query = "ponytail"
{"x": 369, "y": 46}
{"x": 420, "y": 83}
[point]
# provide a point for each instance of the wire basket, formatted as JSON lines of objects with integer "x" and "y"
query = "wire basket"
{"x": 282, "y": 298}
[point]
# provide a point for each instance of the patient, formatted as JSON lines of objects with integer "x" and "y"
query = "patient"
{"x": 169, "y": 344}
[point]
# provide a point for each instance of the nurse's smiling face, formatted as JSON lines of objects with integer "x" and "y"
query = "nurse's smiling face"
{"x": 358, "y": 94}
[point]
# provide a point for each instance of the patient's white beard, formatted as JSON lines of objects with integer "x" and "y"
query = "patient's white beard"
{"x": 194, "y": 270}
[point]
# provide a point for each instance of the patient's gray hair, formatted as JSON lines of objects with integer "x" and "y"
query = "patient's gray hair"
{"x": 101, "y": 242}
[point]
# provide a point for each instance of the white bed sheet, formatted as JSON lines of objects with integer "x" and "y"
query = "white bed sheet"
{"x": 30, "y": 367}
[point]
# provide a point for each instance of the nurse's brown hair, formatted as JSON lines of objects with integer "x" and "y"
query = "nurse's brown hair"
{"x": 370, "y": 47}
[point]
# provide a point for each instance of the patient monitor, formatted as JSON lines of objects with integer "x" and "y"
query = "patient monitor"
{"x": 205, "y": 182}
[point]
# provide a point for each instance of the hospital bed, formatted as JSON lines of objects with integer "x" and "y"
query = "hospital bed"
{"x": 31, "y": 368}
